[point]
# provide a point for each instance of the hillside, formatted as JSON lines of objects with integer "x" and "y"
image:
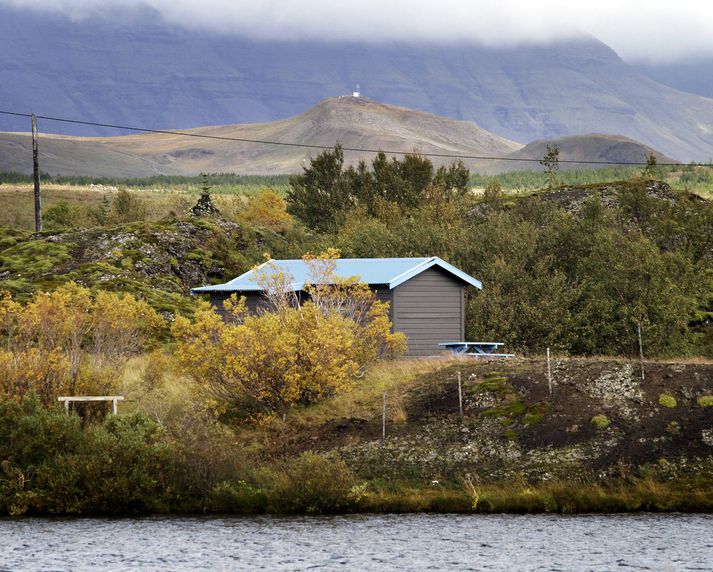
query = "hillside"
{"x": 138, "y": 71}
{"x": 694, "y": 76}
{"x": 353, "y": 122}
{"x": 592, "y": 147}
{"x": 158, "y": 261}
{"x": 514, "y": 429}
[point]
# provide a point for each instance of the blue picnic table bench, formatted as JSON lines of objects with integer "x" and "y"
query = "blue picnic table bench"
{"x": 476, "y": 349}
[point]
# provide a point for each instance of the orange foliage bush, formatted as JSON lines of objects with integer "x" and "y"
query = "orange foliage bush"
{"x": 69, "y": 341}
{"x": 293, "y": 354}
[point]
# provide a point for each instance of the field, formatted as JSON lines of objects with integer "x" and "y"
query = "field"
{"x": 166, "y": 196}
{"x": 162, "y": 199}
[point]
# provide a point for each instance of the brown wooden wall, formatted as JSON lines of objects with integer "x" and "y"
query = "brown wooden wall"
{"x": 429, "y": 309}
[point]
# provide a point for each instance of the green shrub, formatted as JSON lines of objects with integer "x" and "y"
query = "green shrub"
{"x": 533, "y": 418}
{"x": 313, "y": 484}
{"x": 237, "y": 498}
{"x": 52, "y": 464}
{"x": 62, "y": 215}
{"x": 667, "y": 400}
{"x": 128, "y": 207}
{"x": 7, "y": 242}
{"x": 601, "y": 421}
{"x": 705, "y": 401}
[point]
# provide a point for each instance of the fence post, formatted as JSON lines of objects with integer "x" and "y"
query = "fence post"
{"x": 549, "y": 372}
{"x": 383, "y": 419}
{"x": 460, "y": 396}
{"x": 641, "y": 352}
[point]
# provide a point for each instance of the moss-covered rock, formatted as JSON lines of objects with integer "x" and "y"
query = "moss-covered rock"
{"x": 159, "y": 261}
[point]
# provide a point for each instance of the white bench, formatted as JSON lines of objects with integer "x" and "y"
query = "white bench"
{"x": 113, "y": 398}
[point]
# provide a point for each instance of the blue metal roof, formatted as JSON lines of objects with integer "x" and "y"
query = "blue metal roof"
{"x": 389, "y": 272}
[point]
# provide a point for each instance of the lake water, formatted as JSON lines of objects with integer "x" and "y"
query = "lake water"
{"x": 388, "y": 542}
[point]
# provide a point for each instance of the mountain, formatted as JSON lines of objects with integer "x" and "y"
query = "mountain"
{"x": 353, "y": 122}
{"x": 137, "y": 70}
{"x": 694, "y": 76}
{"x": 592, "y": 147}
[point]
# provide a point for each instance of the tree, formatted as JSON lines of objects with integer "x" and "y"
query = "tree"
{"x": 319, "y": 196}
{"x": 128, "y": 207}
{"x": 650, "y": 170}
{"x": 326, "y": 193}
{"x": 493, "y": 195}
{"x": 269, "y": 210}
{"x": 551, "y": 163}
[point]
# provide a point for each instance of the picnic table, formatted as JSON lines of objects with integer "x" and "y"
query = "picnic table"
{"x": 476, "y": 349}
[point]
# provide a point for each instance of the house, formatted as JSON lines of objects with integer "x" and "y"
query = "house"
{"x": 426, "y": 295}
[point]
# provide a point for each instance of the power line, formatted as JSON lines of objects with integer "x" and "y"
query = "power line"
{"x": 323, "y": 147}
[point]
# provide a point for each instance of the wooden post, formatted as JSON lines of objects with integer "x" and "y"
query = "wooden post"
{"x": 36, "y": 175}
{"x": 460, "y": 396}
{"x": 383, "y": 419}
{"x": 115, "y": 406}
{"x": 66, "y": 406}
{"x": 549, "y": 372}
{"x": 641, "y": 352}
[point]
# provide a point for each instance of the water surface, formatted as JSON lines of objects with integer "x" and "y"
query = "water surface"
{"x": 383, "y": 542}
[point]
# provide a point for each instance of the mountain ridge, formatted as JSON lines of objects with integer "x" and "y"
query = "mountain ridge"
{"x": 141, "y": 72}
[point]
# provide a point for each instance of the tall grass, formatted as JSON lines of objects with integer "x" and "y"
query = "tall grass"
{"x": 562, "y": 497}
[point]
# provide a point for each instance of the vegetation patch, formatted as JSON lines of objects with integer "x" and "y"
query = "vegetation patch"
{"x": 705, "y": 401}
{"x": 601, "y": 421}
{"x": 667, "y": 400}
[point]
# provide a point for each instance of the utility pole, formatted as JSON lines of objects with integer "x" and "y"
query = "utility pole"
{"x": 36, "y": 175}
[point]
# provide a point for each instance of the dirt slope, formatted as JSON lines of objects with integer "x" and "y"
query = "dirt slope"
{"x": 601, "y": 421}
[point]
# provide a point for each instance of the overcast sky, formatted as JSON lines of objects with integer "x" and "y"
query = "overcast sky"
{"x": 653, "y": 30}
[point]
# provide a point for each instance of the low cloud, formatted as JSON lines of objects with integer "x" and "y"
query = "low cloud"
{"x": 653, "y": 30}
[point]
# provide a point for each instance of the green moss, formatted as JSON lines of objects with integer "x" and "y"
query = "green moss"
{"x": 705, "y": 401}
{"x": 34, "y": 258}
{"x": 667, "y": 400}
{"x": 601, "y": 421}
{"x": 7, "y": 242}
{"x": 510, "y": 435}
{"x": 496, "y": 383}
{"x": 510, "y": 409}
{"x": 533, "y": 418}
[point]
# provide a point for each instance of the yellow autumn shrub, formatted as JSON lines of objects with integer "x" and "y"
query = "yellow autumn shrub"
{"x": 268, "y": 209}
{"x": 293, "y": 354}
{"x": 69, "y": 341}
